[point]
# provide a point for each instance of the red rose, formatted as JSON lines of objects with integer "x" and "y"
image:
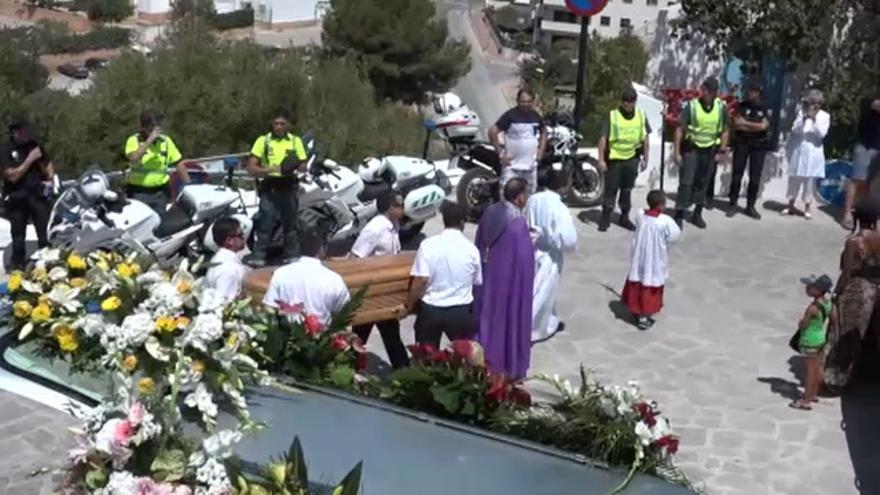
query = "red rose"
{"x": 312, "y": 325}
{"x": 520, "y": 397}
{"x": 497, "y": 387}
{"x": 646, "y": 413}
{"x": 362, "y": 361}
{"x": 670, "y": 442}
{"x": 340, "y": 343}
{"x": 422, "y": 351}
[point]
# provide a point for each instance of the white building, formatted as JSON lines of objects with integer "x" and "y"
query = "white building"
{"x": 554, "y": 21}
{"x": 274, "y": 13}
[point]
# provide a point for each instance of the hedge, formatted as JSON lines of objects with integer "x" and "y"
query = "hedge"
{"x": 103, "y": 38}
{"x": 233, "y": 20}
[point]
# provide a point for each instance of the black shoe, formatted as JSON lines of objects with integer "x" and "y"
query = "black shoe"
{"x": 560, "y": 328}
{"x": 752, "y": 212}
{"x": 697, "y": 219}
{"x": 710, "y": 204}
{"x": 732, "y": 209}
{"x": 605, "y": 221}
{"x": 625, "y": 222}
{"x": 643, "y": 323}
{"x": 679, "y": 218}
{"x": 254, "y": 261}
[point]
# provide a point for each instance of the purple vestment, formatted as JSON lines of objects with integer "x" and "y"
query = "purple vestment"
{"x": 503, "y": 304}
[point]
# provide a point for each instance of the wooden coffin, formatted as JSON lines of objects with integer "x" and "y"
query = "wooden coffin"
{"x": 386, "y": 279}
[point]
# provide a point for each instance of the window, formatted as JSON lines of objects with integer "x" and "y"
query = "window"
{"x": 652, "y": 3}
{"x": 627, "y": 1}
{"x": 625, "y": 22}
{"x": 564, "y": 16}
{"x": 604, "y": 21}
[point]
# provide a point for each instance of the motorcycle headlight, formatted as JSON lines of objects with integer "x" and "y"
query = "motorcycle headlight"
{"x": 430, "y": 175}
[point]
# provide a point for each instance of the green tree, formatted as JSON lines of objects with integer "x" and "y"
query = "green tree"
{"x": 110, "y": 10}
{"x": 197, "y": 8}
{"x": 20, "y": 71}
{"x": 402, "y": 45}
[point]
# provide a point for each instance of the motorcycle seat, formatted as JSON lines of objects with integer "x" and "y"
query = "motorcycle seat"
{"x": 373, "y": 191}
{"x": 173, "y": 221}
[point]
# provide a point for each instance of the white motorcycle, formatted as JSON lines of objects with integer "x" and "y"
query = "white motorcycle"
{"x": 480, "y": 185}
{"x": 89, "y": 207}
{"x": 454, "y": 122}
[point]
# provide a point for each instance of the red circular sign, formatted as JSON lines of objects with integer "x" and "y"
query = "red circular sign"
{"x": 585, "y": 8}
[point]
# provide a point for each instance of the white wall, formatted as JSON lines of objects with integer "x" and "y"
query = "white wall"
{"x": 153, "y": 6}
{"x": 293, "y": 10}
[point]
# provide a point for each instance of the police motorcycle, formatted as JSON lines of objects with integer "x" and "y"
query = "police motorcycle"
{"x": 90, "y": 210}
{"x": 454, "y": 122}
{"x": 480, "y": 185}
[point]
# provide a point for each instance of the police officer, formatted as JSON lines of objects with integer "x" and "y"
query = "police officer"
{"x": 275, "y": 158}
{"x": 700, "y": 142}
{"x": 623, "y": 151}
{"x": 751, "y": 141}
{"x": 150, "y": 153}
{"x": 27, "y": 176}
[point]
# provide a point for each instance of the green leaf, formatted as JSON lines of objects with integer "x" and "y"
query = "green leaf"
{"x": 342, "y": 376}
{"x": 449, "y": 396}
{"x": 296, "y": 460}
{"x": 96, "y": 478}
{"x": 351, "y": 484}
{"x": 169, "y": 465}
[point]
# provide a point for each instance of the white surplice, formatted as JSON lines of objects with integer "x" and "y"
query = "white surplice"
{"x": 650, "y": 249}
{"x": 556, "y": 234}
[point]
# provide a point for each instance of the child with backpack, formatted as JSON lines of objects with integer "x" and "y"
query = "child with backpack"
{"x": 810, "y": 337}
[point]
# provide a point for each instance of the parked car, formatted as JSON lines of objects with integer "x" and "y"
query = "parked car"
{"x": 74, "y": 71}
{"x": 96, "y": 63}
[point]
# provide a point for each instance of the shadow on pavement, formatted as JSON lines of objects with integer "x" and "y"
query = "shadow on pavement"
{"x": 589, "y": 216}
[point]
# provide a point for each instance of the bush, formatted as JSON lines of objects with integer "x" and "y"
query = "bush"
{"x": 103, "y": 38}
{"x": 110, "y": 10}
{"x": 20, "y": 71}
{"x": 234, "y": 20}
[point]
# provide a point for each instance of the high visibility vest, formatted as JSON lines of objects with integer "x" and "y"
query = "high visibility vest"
{"x": 152, "y": 170}
{"x": 272, "y": 151}
{"x": 625, "y": 135}
{"x": 704, "y": 128}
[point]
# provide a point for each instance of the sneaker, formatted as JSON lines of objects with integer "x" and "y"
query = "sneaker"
{"x": 786, "y": 211}
{"x": 254, "y": 261}
{"x": 752, "y": 212}
{"x": 643, "y": 323}
{"x": 626, "y": 223}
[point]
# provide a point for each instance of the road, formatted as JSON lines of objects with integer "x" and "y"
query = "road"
{"x": 480, "y": 88}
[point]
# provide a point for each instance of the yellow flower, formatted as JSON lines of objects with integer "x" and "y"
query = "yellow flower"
{"x": 14, "y": 282}
{"x": 130, "y": 362}
{"x": 166, "y": 324}
{"x": 41, "y": 313}
{"x": 181, "y": 322}
{"x": 198, "y": 366}
{"x": 67, "y": 339}
{"x": 78, "y": 282}
{"x": 232, "y": 340}
{"x": 146, "y": 386}
{"x": 21, "y": 309}
{"x": 39, "y": 274}
{"x": 184, "y": 287}
{"x": 103, "y": 265}
{"x": 44, "y": 299}
{"x": 125, "y": 270}
{"x": 75, "y": 262}
{"x": 112, "y": 303}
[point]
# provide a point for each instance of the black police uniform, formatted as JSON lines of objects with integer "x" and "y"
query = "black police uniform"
{"x": 749, "y": 149}
{"x": 27, "y": 200}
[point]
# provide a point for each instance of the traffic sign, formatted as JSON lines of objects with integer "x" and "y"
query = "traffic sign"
{"x": 585, "y": 8}
{"x": 832, "y": 189}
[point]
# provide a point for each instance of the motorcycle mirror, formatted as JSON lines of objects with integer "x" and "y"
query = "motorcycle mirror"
{"x": 110, "y": 196}
{"x": 331, "y": 164}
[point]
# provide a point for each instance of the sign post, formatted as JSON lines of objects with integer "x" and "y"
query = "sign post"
{"x": 584, "y": 9}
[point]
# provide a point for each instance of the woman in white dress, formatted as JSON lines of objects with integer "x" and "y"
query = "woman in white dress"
{"x": 806, "y": 153}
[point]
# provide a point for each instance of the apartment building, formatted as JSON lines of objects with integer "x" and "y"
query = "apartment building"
{"x": 554, "y": 21}
{"x": 274, "y": 13}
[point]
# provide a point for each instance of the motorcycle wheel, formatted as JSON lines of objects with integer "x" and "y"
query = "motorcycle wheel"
{"x": 474, "y": 193}
{"x": 409, "y": 232}
{"x": 586, "y": 184}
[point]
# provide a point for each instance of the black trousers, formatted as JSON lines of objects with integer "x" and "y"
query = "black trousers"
{"x": 154, "y": 197}
{"x": 433, "y": 321}
{"x": 620, "y": 177}
{"x": 390, "y": 332}
{"x": 696, "y": 174}
{"x": 277, "y": 206}
{"x": 753, "y": 157}
{"x": 21, "y": 211}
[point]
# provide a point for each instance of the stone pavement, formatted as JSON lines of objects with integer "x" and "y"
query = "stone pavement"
{"x": 34, "y": 438}
{"x": 718, "y": 361}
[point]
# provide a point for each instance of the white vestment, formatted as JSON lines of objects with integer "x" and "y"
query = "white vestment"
{"x": 556, "y": 234}
{"x": 650, "y": 249}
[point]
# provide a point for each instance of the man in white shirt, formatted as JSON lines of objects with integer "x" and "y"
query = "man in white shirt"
{"x": 227, "y": 272}
{"x": 306, "y": 281}
{"x": 380, "y": 237}
{"x": 525, "y": 140}
{"x": 550, "y": 219}
{"x": 446, "y": 269}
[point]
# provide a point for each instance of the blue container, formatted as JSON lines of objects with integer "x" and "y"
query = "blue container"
{"x": 832, "y": 189}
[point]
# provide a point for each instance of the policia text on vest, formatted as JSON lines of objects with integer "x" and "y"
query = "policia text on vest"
{"x": 700, "y": 142}
{"x": 274, "y": 160}
{"x": 622, "y": 148}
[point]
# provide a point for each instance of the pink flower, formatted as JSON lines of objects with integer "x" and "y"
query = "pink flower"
{"x": 312, "y": 325}
{"x": 136, "y": 414}
{"x": 670, "y": 442}
{"x": 123, "y": 432}
{"x": 340, "y": 343}
{"x": 647, "y": 413}
{"x": 471, "y": 352}
{"x": 289, "y": 309}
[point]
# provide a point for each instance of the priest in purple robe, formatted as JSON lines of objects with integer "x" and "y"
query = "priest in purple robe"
{"x": 503, "y": 304}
